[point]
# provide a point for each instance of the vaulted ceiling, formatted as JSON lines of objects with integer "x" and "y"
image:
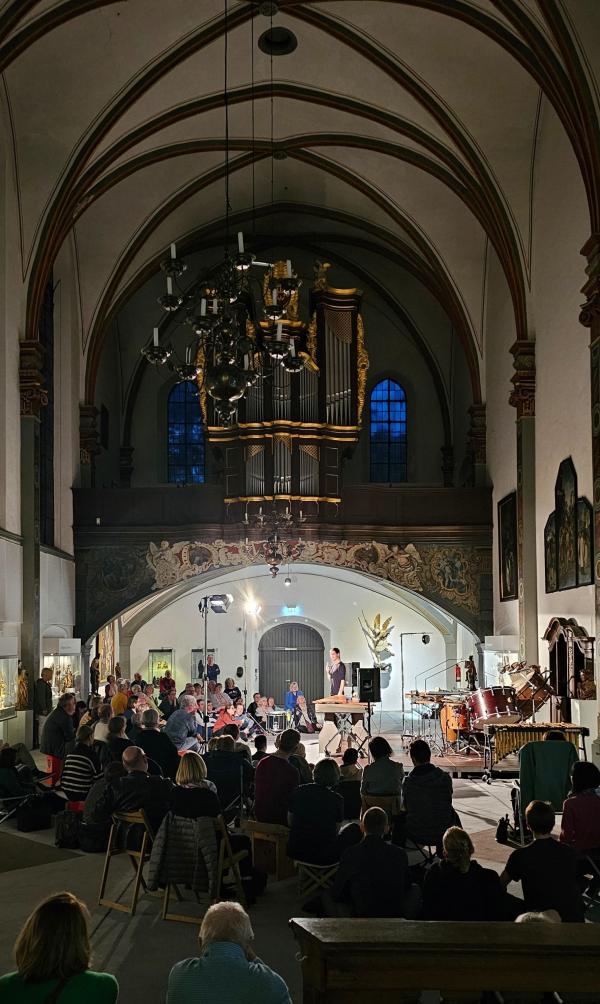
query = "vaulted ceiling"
{"x": 406, "y": 127}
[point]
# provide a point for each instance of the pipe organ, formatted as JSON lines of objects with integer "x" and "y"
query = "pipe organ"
{"x": 293, "y": 431}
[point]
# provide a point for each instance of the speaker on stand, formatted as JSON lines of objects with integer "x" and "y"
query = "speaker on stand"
{"x": 369, "y": 684}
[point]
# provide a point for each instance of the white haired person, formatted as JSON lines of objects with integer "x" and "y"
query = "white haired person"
{"x": 226, "y": 952}
{"x": 182, "y": 727}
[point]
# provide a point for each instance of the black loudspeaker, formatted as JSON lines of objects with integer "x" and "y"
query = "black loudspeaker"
{"x": 354, "y": 670}
{"x": 369, "y": 684}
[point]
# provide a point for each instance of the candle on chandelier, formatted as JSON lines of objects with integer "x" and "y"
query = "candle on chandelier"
{"x": 155, "y": 337}
{"x": 169, "y": 285}
{"x": 275, "y": 294}
{"x": 188, "y": 354}
{"x": 289, "y": 268}
{"x": 240, "y": 242}
{"x": 292, "y": 347}
{"x": 260, "y": 511}
{"x": 203, "y": 308}
{"x": 246, "y": 361}
{"x": 173, "y": 251}
{"x": 214, "y": 307}
{"x": 279, "y": 331}
{"x": 300, "y": 513}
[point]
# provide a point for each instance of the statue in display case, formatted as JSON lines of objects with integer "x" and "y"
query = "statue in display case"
{"x": 8, "y": 678}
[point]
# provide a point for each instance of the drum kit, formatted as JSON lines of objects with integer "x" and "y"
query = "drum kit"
{"x": 464, "y": 714}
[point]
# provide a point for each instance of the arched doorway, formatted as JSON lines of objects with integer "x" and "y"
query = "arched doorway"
{"x": 289, "y": 652}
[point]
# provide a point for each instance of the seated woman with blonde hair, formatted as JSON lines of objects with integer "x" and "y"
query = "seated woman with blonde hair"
{"x": 52, "y": 953}
{"x": 193, "y": 795}
{"x": 458, "y": 888}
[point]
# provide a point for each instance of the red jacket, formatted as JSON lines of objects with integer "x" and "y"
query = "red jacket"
{"x": 223, "y": 719}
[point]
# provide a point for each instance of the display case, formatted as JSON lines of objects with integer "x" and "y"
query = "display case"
{"x": 159, "y": 661}
{"x": 63, "y": 657}
{"x": 8, "y": 678}
{"x": 197, "y": 656}
{"x": 499, "y": 652}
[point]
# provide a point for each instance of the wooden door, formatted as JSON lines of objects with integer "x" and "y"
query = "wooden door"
{"x": 287, "y": 652}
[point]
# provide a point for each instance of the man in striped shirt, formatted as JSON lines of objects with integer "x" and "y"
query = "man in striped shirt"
{"x": 81, "y": 767}
{"x": 227, "y": 969}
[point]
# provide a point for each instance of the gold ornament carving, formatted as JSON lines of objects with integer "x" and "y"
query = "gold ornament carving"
{"x": 362, "y": 361}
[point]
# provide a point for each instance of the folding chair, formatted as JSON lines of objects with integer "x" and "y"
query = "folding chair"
{"x": 8, "y": 806}
{"x": 137, "y": 858}
{"x": 392, "y": 804}
{"x": 228, "y": 860}
{"x": 313, "y": 879}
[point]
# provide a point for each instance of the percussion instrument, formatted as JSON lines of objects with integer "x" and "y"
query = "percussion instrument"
{"x": 454, "y": 718}
{"x": 276, "y": 721}
{"x": 493, "y": 706}
{"x": 532, "y": 690}
{"x": 426, "y": 696}
{"x": 333, "y": 706}
{"x": 509, "y": 738}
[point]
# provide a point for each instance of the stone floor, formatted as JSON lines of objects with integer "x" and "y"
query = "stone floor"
{"x": 141, "y": 950}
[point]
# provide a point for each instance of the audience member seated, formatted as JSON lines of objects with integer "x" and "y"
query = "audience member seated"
{"x": 116, "y": 741}
{"x": 291, "y": 697}
{"x": 276, "y": 781}
{"x": 24, "y": 763}
{"x": 383, "y": 776}
{"x": 168, "y": 703}
{"x": 52, "y": 952}
{"x": 166, "y": 683}
{"x": 234, "y": 693}
{"x": 546, "y": 869}
{"x": 194, "y": 795}
{"x": 59, "y": 734}
{"x": 218, "y": 698}
{"x": 299, "y": 761}
{"x": 373, "y": 879}
{"x": 91, "y": 716}
{"x": 120, "y": 700}
{"x": 253, "y": 705}
{"x": 458, "y": 888}
{"x": 105, "y": 714}
{"x": 139, "y": 681}
{"x": 80, "y": 711}
{"x": 581, "y": 810}
{"x": 304, "y": 718}
{"x": 540, "y": 917}
{"x": 111, "y": 773}
{"x": 260, "y": 745}
{"x": 130, "y": 711}
{"x": 350, "y": 769}
{"x": 231, "y": 772}
{"x": 224, "y": 716}
{"x": 226, "y": 954}
{"x": 182, "y": 725}
{"x": 427, "y": 798}
{"x": 314, "y": 817}
{"x": 233, "y": 730}
{"x": 11, "y": 784}
{"x": 157, "y": 744}
{"x": 137, "y": 790}
{"x": 81, "y": 767}
{"x": 109, "y": 692}
{"x": 188, "y": 691}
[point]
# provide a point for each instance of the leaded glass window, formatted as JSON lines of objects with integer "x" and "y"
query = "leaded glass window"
{"x": 388, "y": 433}
{"x": 186, "y": 446}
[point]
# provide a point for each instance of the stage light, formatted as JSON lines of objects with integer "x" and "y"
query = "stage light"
{"x": 252, "y": 608}
{"x": 219, "y": 603}
{"x": 287, "y": 581}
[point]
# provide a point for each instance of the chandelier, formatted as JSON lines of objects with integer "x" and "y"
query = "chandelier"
{"x": 242, "y": 329}
{"x": 277, "y": 551}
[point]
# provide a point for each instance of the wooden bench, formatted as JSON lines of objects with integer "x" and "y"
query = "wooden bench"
{"x": 350, "y": 961}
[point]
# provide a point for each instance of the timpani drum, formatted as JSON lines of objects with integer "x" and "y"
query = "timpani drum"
{"x": 454, "y": 718}
{"x": 493, "y": 706}
{"x": 532, "y": 690}
{"x": 276, "y": 721}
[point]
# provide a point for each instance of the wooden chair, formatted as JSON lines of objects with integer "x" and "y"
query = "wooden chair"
{"x": 269, "y": 848}
{"x": 313, "y": 879}
{"x": 138, "y": 858}
{"x": 392, "y": 804}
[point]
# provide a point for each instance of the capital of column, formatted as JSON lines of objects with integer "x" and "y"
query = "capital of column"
{"x": 89, "y": 438}
{"x": 590, "y": 310}
{"x": 522, "y": 397}
{"x": 478, "y": 433}
{"x": 31, "y": 380}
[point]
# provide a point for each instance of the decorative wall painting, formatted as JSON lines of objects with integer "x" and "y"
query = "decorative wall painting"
{"x": 566, "y": 503}
{"x": 585, "y": 564}
{"x": 550, "y": 553}
{"x": 507, "y": 546}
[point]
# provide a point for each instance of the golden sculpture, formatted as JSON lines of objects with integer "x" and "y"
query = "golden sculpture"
{"x": 22, "y": 690}
{"x": 321, "y": 269}
{"x": 2, "y": 689}
{"x": 362, "y": 358}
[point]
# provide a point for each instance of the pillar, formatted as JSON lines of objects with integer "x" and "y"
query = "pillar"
{"x": 125, "y": 466}
{"x": 448, "y": 466}
{"x": 590, "y": 318}
{"x": 523, "y": 399}
{"x": 89, "y": 444}
{"x": 477, "y": 443}
{"x": 33, "y": 398}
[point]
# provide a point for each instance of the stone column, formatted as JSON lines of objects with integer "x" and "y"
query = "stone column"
{"x": 477, "y": 443}
{"x": 590, "y": 318}
{"x": 125, "y": 466}
{"x": 89, "y": 444}
{"x": 523, "y": 399}
{"x": 448, "y": 466}
{"x": 33, "y": 398}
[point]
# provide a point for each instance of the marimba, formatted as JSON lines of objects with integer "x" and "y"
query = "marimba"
{"x": 348, "y": 726}
{"x": 501, "y": 740}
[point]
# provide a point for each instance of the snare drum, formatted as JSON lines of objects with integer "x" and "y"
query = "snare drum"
{"x": 454, "y": 718}
{"x": 493, "y": 706}
{"x": 276, "y": 721}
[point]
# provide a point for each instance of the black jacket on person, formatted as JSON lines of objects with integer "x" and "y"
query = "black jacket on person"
{"x": 231, "y": 773}
{"x": 373, "y": 878}
{"x": 112, "y": 749}
{"x": 475, "y": 895}
{"x": 137, "y": 790}
{"x": 427, "y": 799}
{"x": 42, "y": 697}
{"x": 166, "y": 708}
{"x": 58, "y": 735}
{"x": 159, "y": 748}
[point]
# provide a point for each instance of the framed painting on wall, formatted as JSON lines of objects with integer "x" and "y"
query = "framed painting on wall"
{"x": 550, "y": 553}
{"x": 585, "y": 545}
{"x": 507, "y": 547}
{"x": 566, "y": 525}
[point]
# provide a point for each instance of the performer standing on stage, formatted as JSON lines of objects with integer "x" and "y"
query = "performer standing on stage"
{"x": 336, "y": 671}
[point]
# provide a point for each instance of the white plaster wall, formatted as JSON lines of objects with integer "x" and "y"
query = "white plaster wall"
{"x": 501, "y": 435}
{"x": 57, "y": 593}
{"x": 325, "y": 601}
{"x": 11, "y": 580}
{"x": 563, "y": 416}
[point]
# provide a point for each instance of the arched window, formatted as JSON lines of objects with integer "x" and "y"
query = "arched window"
{"x": 388, "y": 433}
{"x": 185, "y": 460}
